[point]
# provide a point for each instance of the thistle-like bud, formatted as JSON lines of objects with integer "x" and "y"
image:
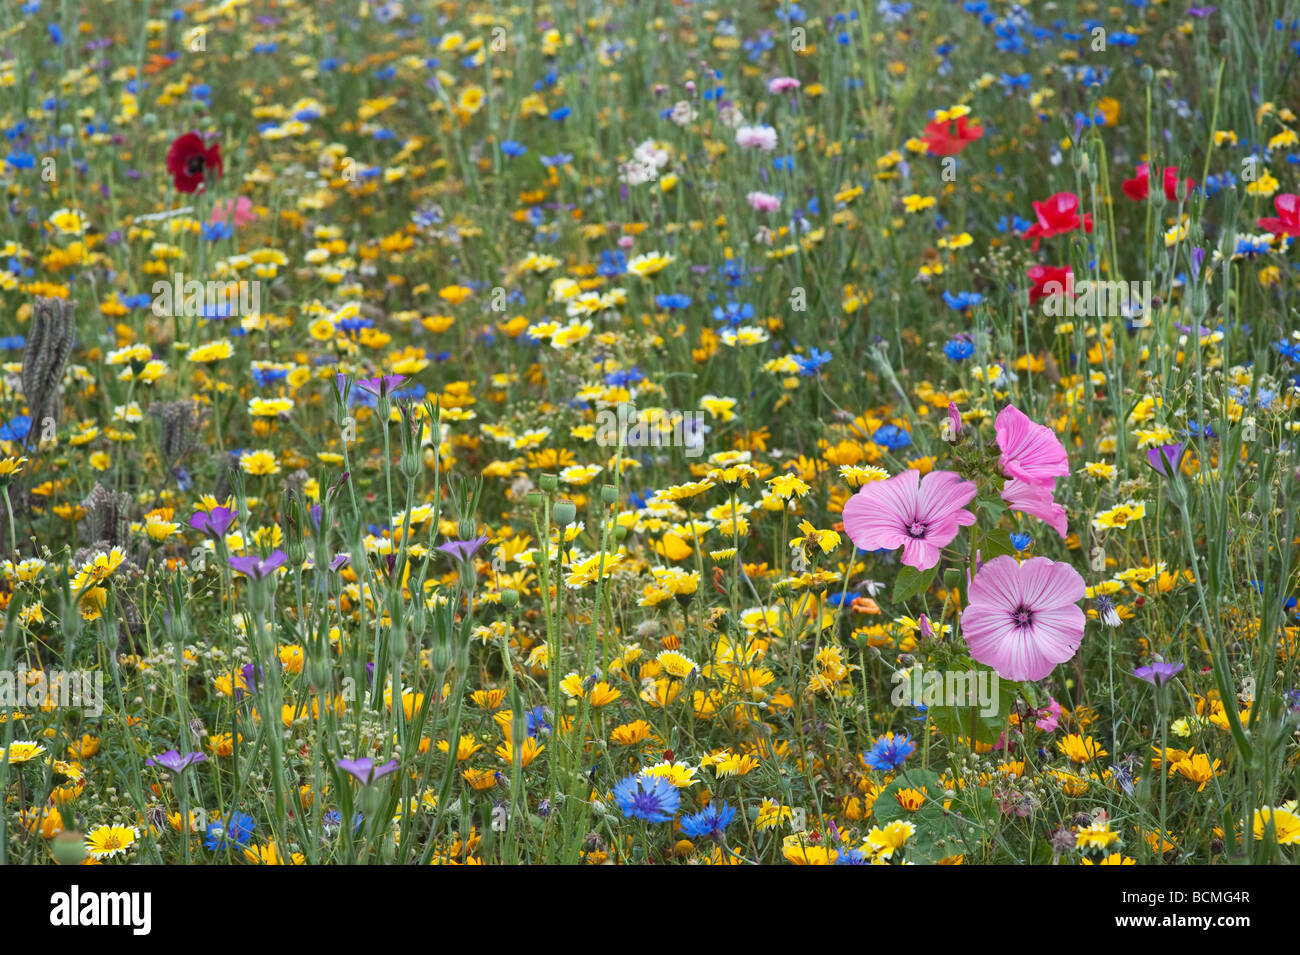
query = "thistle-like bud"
{"x": 50, "y": 342}
{"x": 178, "y": 429}
{"x": 107, "y": 515}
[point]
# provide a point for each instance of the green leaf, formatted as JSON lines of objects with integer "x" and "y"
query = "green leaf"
{"x": 995, "y": 543}
{"x": 911, "y": 582}
{"x": 957, "y": 721}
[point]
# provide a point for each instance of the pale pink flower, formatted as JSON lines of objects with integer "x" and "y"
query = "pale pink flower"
{"x": 238, "y": 212}
{"x": 1030, "y": 452}
{"x": 919, "y": 514}
{"x": 756, "y": 137}
{"x": 1024, "y": 619}
{"x": 1036, "y": 501}
{"x": 763, "y": 201}
{"x": 783, "y": 84}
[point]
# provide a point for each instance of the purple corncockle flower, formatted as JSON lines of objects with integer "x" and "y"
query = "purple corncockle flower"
{"x": 954, "y": 421}
{"x": 340, "y": 561}
{"x": 213, "y": 523}
{"x": 315, "y": 512}
{"x": 251, "y": 674}
{"x": 1198, "y": 258}
{"x": 1158, "y": 673}
{"x": 462, "y": 551}
{"x": 174, "y": 762}
{"x": 258, "y": 569}
{"x": 1165, "y": 459}
{"x": 381, "y": 385}
{"x": 365, "y": 770}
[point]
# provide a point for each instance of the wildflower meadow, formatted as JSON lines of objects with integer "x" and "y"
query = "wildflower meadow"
{"x": 681, "y": 433}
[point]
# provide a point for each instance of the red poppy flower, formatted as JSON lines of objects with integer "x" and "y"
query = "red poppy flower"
{"x": 1139, "y": 188}
{"x": 1048, "y": 280}
{"x": 1288, "y": 210}
{"x": 950, "y": 138}
{"x": 1057, "y": 215}
{"x": 190, "y": 163}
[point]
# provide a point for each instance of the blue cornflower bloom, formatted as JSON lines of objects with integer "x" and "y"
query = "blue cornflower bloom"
{"x": 233, "y": 834}
{"x": 512, "y": 148}
{"x": 811, "y": 363}
{"x": 733, "y": 313}
{"x": 708, "y": 823}
{"x": 852, "y": 857}
{"x": 961, "y": 301}
{"x": 651, "y": 798}
{"x": 1021, "y": 541}
{"x": 892, "y": 437}
{"x": 672, "y": 301}
{"x": 15, "y": 429}
{"x": 889, "y": 752}
{"x": 535, "y": 721}
{"x": 958, "y": 349}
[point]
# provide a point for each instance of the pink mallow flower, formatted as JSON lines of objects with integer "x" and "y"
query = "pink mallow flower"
{"x": 1036, "y": 501}
{"x": 1024, "y": 619}
{"x": 763, "y": 201}
{"x": 238, "y": 212}
{"x": 919, "y": 514}
{"x": 1031, "y": 452}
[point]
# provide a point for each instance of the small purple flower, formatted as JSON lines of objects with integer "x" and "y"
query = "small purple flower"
{"x": 462, "y": 551}
{"x": 1166, "y": 459}
{"x": 258, "y": 569}
{"x": 213, "y": 523}
{"x": 1198, "y": 259}
{"x": 365, "y": 770}
{"x": 340, "y": 561}
{"x": 174, "y": 762}
{"x": 1158, "y": 673}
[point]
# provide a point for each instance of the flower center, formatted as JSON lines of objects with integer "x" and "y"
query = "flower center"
{"x": 916, "y": 528}
{"x": 1023, "y": 616}
{"x": 194, "y": 165}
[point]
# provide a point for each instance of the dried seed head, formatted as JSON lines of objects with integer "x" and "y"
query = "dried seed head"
{"x": 50, "y": 342}
{"x": 108, "y": 515}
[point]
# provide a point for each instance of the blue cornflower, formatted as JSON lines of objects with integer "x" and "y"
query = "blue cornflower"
{"x": 512, "y": 148}
{"x": 710, "y": 822}
{"x": 651, "y": 798}
{"x": 811, "y": 363}
{"x": 15, "y": 429}
{"x": 230, "y": 835}
{"x": 733, "y": 313}
{"x": 892, "y": 437}
{"x": 675, "y": 300}
{"x": 961, "y": 301}
{"x": 535, "y": 720}
{"x": 889, "y": 752}
{"x": 958, "y": 349}
{"x": 1021, "y": 541}
{"x": 852, "y": 857}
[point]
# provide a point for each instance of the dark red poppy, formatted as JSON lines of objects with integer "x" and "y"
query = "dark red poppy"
{"x": 1139, "y": 187}
{"x": 1049, "y": 280}
{"x": 190, "y": 164}
{"x": 1057, "y": 215}
{"x": 1288, "y": 211}
{"x": 950, "y": 138}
